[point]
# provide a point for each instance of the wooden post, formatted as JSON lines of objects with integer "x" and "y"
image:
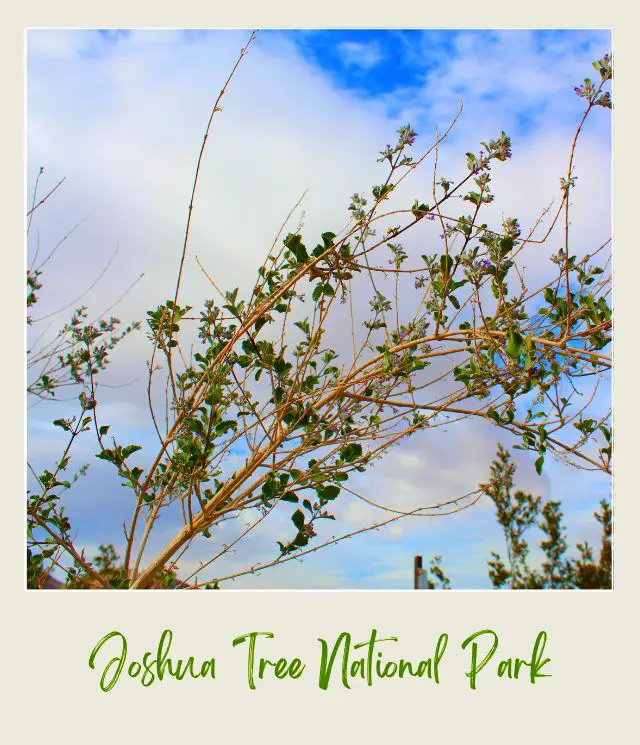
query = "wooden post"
{"x": 417, "y": 572}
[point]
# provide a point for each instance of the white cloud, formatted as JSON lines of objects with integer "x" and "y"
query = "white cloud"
{"x": 359, "y": 54}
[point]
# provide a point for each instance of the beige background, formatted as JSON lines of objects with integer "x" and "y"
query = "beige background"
{"x": 48, "y": 689}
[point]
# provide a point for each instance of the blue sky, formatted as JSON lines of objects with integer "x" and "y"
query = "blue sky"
{"x": 380, "y": 64}
{"x": 121, "y": 114}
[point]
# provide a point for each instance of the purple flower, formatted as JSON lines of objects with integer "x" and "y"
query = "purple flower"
{"x": 432, "y": 217}
{"x": 485, "y": 263}
{"x": 442, "y": 235}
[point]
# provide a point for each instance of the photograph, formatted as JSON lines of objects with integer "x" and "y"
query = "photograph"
{"x": 319, "y": 309}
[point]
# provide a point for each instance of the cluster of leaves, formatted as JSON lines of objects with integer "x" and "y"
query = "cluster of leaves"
{"x": 516, "y": 513}
{"x": 592, "y": 92}
{"x": 79, "y": 350}
{"x": 72, "y": 357}
{"x": 261, "y": 382}
{"x": 49, "y": 530}
{"x": 434, "y": 577}
{"x": 109, "y": 569}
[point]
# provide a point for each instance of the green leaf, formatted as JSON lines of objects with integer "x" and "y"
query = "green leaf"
{"x": 493, "y": 414}
{"x": 505, "y": 245}
{"x": 327, "y": 238}
{"x": 473, "y": 197}
{"x": 294, "y": 244}
{"x": 351, "y": 452}
{"x": 329, "y": 492}
{"x": 298, "y": 519}
{"x": 194, "y": 425}
{"x": 514, "y": 345}
{"x": 130, "y": 450}
{"x": 303, "y": 326}
{"x": 380, "y": 191}
{"x": 419, "y": 210}
{"x": 106, "y": 454}
{"x": 446, "y": 263}
{"x": 539, "y": 463}
{"x": 223, "y": 427}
